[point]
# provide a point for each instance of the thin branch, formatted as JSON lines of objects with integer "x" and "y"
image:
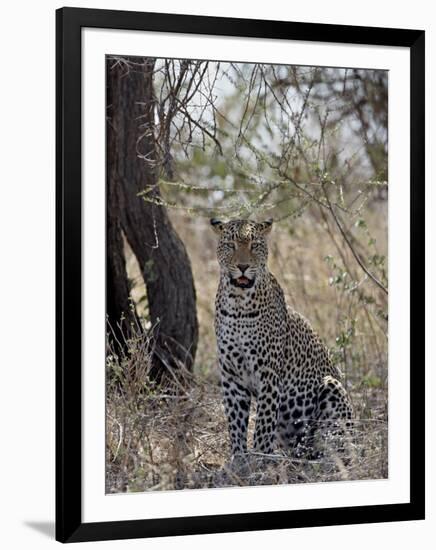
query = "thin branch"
{"x": 347, "y": 240}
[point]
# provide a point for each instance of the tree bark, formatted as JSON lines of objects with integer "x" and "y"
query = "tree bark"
{"x": 162, "y": 257}
{"x": 118, "y": 307}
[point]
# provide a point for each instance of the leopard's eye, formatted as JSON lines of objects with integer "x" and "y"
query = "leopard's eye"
{"x": 255, "y": 245}
{"x": 229, "y": 244}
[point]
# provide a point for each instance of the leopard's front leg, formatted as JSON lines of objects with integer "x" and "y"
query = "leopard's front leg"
{"x": 237, "y": 407}
{"x": 266, "y": 412}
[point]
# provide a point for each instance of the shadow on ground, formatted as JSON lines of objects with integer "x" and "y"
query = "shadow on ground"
{"x": 46, "y": 528}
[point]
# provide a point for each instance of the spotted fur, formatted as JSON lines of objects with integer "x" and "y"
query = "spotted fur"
{"x": 267, "y": 351}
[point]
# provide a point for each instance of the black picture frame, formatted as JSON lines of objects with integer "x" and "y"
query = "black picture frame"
{"x": 69, "y": 525}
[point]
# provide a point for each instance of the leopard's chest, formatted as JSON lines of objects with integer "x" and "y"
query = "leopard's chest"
{"x": 240, "y": 317}
{"x": 242, "y": 328}
{"x": 243, "y": 336}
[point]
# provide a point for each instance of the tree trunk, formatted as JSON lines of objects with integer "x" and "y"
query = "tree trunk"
{"x": 118, "y": 307}
{"x": 132, "y": 168}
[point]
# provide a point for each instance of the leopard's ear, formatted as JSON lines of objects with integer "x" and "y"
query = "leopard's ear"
{"x": 217, "y": 225}
{"x": 266, "y": 226}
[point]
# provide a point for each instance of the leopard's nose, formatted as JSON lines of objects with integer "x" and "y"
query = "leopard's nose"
{"x": 242, "y": 267}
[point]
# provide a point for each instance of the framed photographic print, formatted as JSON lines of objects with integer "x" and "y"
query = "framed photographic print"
{"x": 240, "y": 253}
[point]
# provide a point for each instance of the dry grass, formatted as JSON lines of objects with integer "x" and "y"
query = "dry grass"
{"x": 158, "y": 440}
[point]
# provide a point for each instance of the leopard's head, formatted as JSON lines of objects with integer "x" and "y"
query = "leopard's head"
{"x": 242, "y": 249}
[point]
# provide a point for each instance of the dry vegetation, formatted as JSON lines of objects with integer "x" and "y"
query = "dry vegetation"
{"x": 308, "y": 147}
{"x": 159, "y": 439}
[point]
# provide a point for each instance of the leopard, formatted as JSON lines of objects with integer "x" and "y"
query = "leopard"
{"x": 268, "y": 353}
